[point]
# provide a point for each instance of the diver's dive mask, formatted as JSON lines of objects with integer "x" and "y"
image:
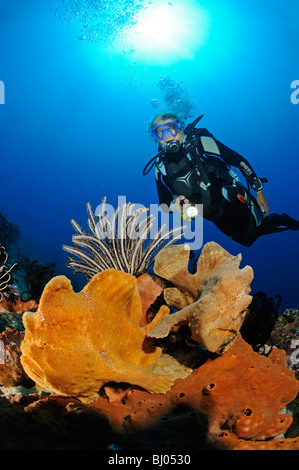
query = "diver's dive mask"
{"x": 165, "y": 130}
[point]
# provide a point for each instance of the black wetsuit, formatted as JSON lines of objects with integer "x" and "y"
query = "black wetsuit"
{"x": 200, "y": 171}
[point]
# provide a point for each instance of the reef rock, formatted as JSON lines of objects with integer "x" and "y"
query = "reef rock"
{"x": 36, "y": 422}
{"x": 17, "y": 305}
{"x": 76, "y": 342}
{"x": 212, "y": 301}
{"x": 12, "y": 373}
{"x": 285, "y": 336}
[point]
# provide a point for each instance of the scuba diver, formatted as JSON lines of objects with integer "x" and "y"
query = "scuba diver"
{"x": 192, "y": 167}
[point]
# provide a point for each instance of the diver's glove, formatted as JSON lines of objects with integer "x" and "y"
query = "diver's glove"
{"x": 187, "y": 210}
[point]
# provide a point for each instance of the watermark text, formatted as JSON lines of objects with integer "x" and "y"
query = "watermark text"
{"x": 295, "y": 94}
{"x": 294, "y": 357}
{"x": 123, "y": 226}
{"x": 2, "y": 92}
{"x": 2, "y": 353}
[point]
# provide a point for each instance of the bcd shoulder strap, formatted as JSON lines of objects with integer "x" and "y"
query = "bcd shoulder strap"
{"x": 208, "y": 163}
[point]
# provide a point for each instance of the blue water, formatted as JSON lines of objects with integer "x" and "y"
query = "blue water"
{"x": 73, "y": 126}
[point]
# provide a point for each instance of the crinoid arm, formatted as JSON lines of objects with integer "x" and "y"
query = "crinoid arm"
{"x": 5, "y": 273}
{"x": 119, "y": 242}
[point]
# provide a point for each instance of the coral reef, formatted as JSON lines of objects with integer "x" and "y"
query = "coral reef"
{"x": 36, "y": 422}
{"x": 72, "y": 343}
{"x": 11, "y": 372}
{"x": 259, "y": 322}
{"x": 22, "y": 275}
{"x": 56, "y": 422}
{"x": 119, "y": 242}
{"x": 145, "y": 393}
{"x": 37, "y": 276}
{"x": 12, "y": 329}
{"x": 212, "y": 301}
{"x": 241, "y": 394}
{"x": 5, "y": 273}
{"x": 285, "y": 335}
{"x": 16, "y": 305}
{"x": 11, "y": 320}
